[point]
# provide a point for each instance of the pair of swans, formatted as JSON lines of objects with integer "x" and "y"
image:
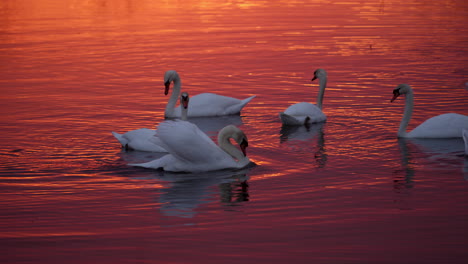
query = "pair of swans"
{"x": 441, "y": 126}
{"x": 449, "y": 125}
{"x": 191, "y": 150}
{"x": 201, "y": 105}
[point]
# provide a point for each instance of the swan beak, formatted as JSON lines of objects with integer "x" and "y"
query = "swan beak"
{"x": 243, "y": 145}
{"x": 315, "y": 77}
{"x": 395, "y": 96}
{"x": 167, "y": 85}
{"x": 185, "y": 103}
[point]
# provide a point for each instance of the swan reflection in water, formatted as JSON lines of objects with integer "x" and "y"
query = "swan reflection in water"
{"x": 404, "y": 176}
{"x": 184, "y": 192}
{"x": 296, "y": 136}
{"x": 443, "y": 152}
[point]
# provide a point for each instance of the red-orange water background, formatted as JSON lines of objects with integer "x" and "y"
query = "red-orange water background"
{"x": 346, "y": 191}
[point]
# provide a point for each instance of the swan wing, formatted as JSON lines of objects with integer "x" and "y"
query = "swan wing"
{"x": 442, "y": 126}
{"x": 210, "y": 104}
{"x": 187, "y": 142}
{"x": 139, "y": 139}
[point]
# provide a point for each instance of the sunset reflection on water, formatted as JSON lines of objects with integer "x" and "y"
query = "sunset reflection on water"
{"x": 345, "y": 191}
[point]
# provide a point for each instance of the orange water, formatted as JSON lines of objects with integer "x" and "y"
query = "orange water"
{"x": 346, "y": 191}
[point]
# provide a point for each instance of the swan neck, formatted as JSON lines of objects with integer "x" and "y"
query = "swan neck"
{"x": 321, "y": 93}
{"x": 183, "y": 115}
{"x": 406, "y": 115}
{"x": 226, "y": 145}
{"x": 173, "y": 99}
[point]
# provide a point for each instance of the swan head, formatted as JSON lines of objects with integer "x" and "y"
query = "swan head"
{"x": 238, "y": 135}
{"x": 184, "y": 100}
{"x": 401, "y": 89}
{"x": 169, "y": 77}
{"x": 241, "y": 139}
{"x": 320, "y": 74}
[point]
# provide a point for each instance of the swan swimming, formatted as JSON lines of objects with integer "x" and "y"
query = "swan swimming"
{"x": 441, "y": 126}
{"x": 142, "y": 139}
{"x": 191, "y": 150}
{"x": 304, "y": 112}
{"x": 205, "y": 104}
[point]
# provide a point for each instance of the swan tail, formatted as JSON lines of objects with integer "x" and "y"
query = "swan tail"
{"x": 289, "y": 120}
{"x": 237, "y": 107}
{"x": 247, "y": 100}
{"x": 120, "y": 138}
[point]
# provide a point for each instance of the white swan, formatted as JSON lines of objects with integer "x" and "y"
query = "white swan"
{"x": 304, "y": 113}
{"x": 205, "y": 104}
{"x": 142, "y": 139}
{"x": 191, "y": 150}
{"x": 441, "y": 126}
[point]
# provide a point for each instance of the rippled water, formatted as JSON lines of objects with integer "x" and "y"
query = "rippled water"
{"x": 346, "y": 191}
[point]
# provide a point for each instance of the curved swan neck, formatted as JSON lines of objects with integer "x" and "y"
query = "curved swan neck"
{"x": 174, "y": 96}
{"x": 406, "y": 114}
{"x": 321, "y": 93}
{"x": 183, "y": 115}
{"x": 225, "y": 144}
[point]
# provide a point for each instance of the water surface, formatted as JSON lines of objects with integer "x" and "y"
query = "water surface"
{"x": 346, "y": 191}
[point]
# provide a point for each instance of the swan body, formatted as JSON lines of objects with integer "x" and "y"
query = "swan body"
{"x": 442, "y": 126}
{"x": 304, "y": 112}
{"x": 143, "y": 139}
{"x": 191, "y": 150}
{"x": 205, "y": 104}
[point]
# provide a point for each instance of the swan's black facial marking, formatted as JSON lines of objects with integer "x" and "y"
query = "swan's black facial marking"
{"x": 315, "y": 76}
{"x": 243, "y": 145}
{"x": 167, "y": 85}
{"x": 396, "y": 93}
